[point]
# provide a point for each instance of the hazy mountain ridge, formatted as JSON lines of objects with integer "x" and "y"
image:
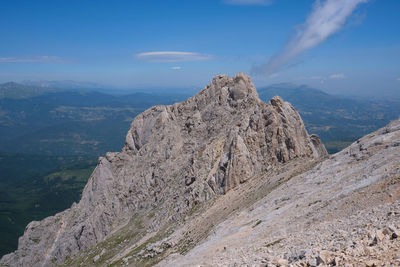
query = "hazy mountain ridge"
{"x": 14, "y": 90}
{"x": 65, "y": 84}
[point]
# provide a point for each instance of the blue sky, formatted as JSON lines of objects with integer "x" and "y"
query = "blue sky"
{"x": 183, "y": 44}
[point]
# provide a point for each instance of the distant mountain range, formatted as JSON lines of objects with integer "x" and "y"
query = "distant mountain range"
{"x": 56, "y": 121}
{"x": 65, "y": 84}
{"x": 107, "y": 89}
{"x": 14, "y": 90}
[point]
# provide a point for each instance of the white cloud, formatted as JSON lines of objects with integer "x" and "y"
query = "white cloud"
{"x": 176, "y": 68}
{"x": 172, "y": 56}
{"x": 337, "y": 76}
{"x": 36, "y": 59}
{"x": 249, "y": 2}
{"x": 325, "y": 19}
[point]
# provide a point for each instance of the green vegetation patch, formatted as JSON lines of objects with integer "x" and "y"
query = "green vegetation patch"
{"x": 274, "y": 243}
{"x": 107, "y": 249}
{"x": 336, "y": 146}
{"x": 34, "y": 187}
{"x": 257, "y": 223}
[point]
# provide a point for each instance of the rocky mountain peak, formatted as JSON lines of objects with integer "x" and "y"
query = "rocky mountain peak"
{"x": 237, "y": 88}
{"x": 224, "y": 89}
{"x": 174, "y": 158}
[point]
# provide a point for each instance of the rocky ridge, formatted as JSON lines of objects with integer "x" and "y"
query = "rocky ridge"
{"x": 344, "y": 211}
{"x": 177, "y": 161}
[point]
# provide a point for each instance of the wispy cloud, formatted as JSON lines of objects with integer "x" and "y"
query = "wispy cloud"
{"x": 176, "y": 68}
{"x": 398, "y": 79}
{"x": 337, "y": 76}
{"x": 249, "y": 2}
{"x": 36, "y": 59}
{"x": 325, "y": 19}
{"x": 172, "y": 56}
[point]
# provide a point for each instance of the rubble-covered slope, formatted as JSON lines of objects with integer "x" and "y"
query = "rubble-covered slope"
{"x": 176, "y": 160}
{"x": 344, "y": 211}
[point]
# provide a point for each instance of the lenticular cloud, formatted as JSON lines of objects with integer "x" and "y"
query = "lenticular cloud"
{"x": 172, "y": 56}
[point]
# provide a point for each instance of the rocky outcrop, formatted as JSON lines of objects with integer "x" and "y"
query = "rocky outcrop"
{"x": 343, "y": 211}
{"x": 174, "y": 158}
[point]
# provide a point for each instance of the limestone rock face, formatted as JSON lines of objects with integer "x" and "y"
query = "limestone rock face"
{"x": 342, "y": 211}
{"x": 174, "y": 158}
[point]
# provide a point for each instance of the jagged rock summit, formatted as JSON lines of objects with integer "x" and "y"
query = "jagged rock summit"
{"x": 175, "y": 158}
